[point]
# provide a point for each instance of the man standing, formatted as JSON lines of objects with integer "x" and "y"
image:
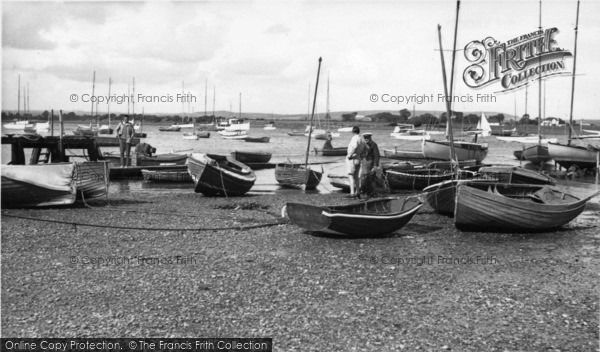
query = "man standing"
{"x": 356, "y": 152}
{"x": 369, "y": 165}
{"x": 125, "y": 133}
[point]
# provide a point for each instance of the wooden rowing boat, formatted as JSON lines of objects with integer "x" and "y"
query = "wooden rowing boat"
{"x": 510, "y": 207}
{"x": 440, "y": 150}
{"x": 160, "y": 159}
{"x": 339, "y": 151}
{"x": 217, "y": 175}
{"x": 257, "y": 139}
{"x": 538, "y": 154}
{"x": 251, "y": 157}
{"x": 416, "y": 179}
{"x": 170, "y": 129}
{"x": 168, "y": 175}
{"x": 372, "y": 218}
{"x": 297, "y": 176}
{"x": 514, "y": 174}
{"x": 92, "y": 179}
{"x": 38, "y": 185}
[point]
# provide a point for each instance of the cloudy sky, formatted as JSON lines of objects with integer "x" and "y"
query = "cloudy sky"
{"x": 268, "y": 51}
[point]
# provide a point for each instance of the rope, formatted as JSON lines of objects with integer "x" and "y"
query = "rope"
{"x": 241, "y": 228}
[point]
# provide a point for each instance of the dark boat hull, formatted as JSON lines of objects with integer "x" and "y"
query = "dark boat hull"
{"x": 372, "y": 218}
{"x": 295, "y": 176}
{"x": 251, "y": 157}
{"x": 257, "y": 139}
{"x": 217, "y": 176}
{"x": 168, "y": 175}
{"x": 341, "y": 151}
{"x": 512, "y": 208}
{"x": 537, "y": 154}
{"x": 161, "y": 159}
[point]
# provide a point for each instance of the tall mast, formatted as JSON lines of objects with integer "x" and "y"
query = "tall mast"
{"x": 214, "y": 98}
{"x": 311, "y": 120}
{"x": 108, "y": 102}
{"x": 93, "y": 88}
{"x": 19, "y": 97}
{"x": 240, "y": 105}
{"x": 28, "y": 107}
{"x": 448, "y": 106}
{"x": 540, "y": 84}
{"x": 327, "y": 107}
{"x": 133, "y": 100}
{"x": 573, "y": 78}
{"x": 448, "y": 132}
{"x": 205, "y": 95}
{"x": 308, "y": 105}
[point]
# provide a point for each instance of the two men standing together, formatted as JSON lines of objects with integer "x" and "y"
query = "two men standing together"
{"x": 362, "y": 160}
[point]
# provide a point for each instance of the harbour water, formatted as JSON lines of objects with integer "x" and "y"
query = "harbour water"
{"x": 284, "y": 147}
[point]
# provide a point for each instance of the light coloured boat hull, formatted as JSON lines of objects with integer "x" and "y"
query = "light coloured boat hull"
{"x": 92, "y": 179}
{"x": 440, "y": 150}
{"x": 567, "y": 156}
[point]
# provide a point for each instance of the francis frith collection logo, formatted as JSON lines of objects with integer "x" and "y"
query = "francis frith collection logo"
{"x": 515, "y": 62}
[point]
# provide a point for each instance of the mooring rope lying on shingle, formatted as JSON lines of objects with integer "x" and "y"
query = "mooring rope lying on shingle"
{"x": 241, "y": 227}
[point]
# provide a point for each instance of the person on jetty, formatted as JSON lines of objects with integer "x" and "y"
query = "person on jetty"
{"x": 327, "y": 144}
{"x": 356, "y": 153}
{"x": 144, "y": 149}
{"x": 125, "y": 133}
{"x": 369, "y": 166}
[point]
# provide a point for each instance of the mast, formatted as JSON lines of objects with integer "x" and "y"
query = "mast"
{"x": 240, "y": 105}
{"x": 308, "y": 105}
{"x": 28, "y": 107}
{"x": 182, "y": 103}
{"x": 93, "y": 88}
{"x": 214, "y": 97}
{"x": 19, "y": 97}
{"x": 448, "y": 132}
{"x": 130, "y": 98}
{"x": 205, "y": 95}
{"x": 133, "y": 100}
{"x": 573, "y": 78}
{"x": 540, "y": 85}
{"x": 448, "y": 106}
{"x": 311, "y": 121}
{"x": 327, "y": 107}
{"x": 108, "y": 102}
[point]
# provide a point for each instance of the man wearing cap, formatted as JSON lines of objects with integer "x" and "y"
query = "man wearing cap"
{"x": 369, "y": 165}
{"x": 356, "y": 153}
{"x": 125, "y": 133}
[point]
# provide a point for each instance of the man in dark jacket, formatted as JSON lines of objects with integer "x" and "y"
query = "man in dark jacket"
{"x": 370, "y": 165}
{"x": 125, "y": 133}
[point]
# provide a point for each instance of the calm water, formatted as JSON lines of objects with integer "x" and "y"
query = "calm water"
{"x": 283, "y": 148}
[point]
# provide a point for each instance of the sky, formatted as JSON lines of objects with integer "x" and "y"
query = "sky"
{"x": 268, "y": 52}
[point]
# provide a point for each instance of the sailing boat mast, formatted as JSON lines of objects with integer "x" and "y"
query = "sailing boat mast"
{"x": 240, "y": 105}
{"x": 93, "y": 88}
{"x": 214, "y": 98}
{"x": 448, "y": 106}
{"x": 449, "y": 125}
{"x": 205, "y": 95}
{"x": 573, "y": 78}
{"x": 108, "y": 100}
{"x": 311, "y": 120}
{"x": 19, "y": 97}
{"x": 540, "y": 84}
{"x": 327, "y": 107}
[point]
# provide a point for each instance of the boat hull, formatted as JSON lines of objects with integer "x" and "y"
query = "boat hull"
{"x": 167, "y": 175}
{"x": 297, "y": 176}
{"x": 440, "y": 150}
{"x": 251, "y": 157}
{"x": 481, "y": 209}
{"x": 537, "y": 154}
{"x": 341, "y": 151}
{"x": 257, "y": 139}
{"x": 402, "y": 155}
{"x": 38, "y": 185}
{"x": 92, "y": 179}
{"x": 220, "y": 176}
{"x": 567, "y": 156}
{"x": 372, "y": 218}
{"x": 416, "y": 179}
